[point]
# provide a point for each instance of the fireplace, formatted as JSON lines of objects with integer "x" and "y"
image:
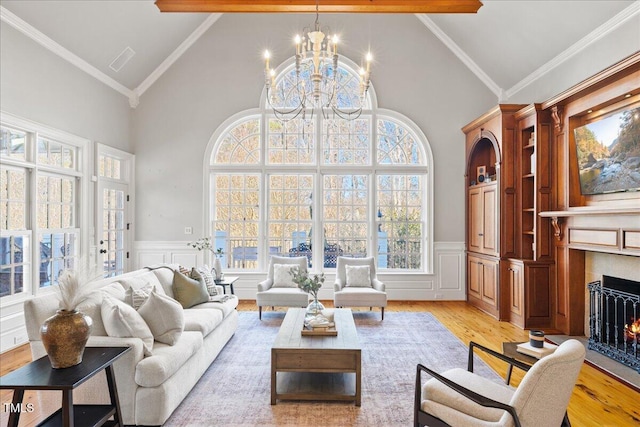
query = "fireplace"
{"x": 614, "y": 319}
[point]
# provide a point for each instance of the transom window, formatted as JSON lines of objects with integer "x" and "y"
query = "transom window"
{"x": 321, "y": 187}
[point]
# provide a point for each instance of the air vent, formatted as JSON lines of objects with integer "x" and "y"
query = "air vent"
{"x": 122, "y": 59}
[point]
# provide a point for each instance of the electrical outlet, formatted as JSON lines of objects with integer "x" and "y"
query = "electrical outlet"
{"x": 438, "y": 296}
{"x": 188, "y": 230}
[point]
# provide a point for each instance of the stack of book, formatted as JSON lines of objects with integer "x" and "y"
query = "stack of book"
{"x": 538, "y": 353}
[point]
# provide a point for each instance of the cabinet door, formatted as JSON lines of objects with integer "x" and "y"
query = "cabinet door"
{"x": 516, "y": 292}
{"x": 475, "y": 220}
{"x": 490, "y": 282}
{"x": 474, "y": 268}
{"x": 489, "y": 230}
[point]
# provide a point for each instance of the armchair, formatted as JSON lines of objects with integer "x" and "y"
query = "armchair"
{"x": 458, "y": 397}
{"x": 347, "y": 295}
{"x": 272, "y": 294}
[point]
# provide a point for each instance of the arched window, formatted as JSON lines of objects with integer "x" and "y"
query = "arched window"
{"x": 321, "y": 187}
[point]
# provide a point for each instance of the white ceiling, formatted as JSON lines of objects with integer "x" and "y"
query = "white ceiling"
{"x": 92, "y": 33}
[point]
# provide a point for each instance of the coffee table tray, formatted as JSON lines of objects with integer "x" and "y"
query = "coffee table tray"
{"x": 323, "y": 332}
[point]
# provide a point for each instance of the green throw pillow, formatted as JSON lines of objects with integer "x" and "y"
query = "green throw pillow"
{"x": 189, "y": 292}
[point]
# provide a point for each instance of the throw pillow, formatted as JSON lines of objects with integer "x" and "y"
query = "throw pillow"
{"x": 358, "y": 276}
{"x": 136, "y": 297}
{"x": 282, "y": 277}
{"x": 164, "y": 316}
{"x": 188, "y": 291}
{"x": 202, "y": 274}
{"x": 122, "y": 321}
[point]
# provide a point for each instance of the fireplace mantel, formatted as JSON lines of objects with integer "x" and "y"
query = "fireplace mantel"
{"x": 596, "y": 228}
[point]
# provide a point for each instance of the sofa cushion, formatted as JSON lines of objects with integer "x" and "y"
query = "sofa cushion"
{"x": 164, "y": 274}
{"x": 187, "y": 291}
{"x": 282, "y": 277}
{"x": 164, "y": 316}
{"x": 358, "y": 276}
{"x": 122, "y": 321}
{"x": 166, "y": 359}
{"x": 226, "y": 307}
{"x": 203, "y": 321}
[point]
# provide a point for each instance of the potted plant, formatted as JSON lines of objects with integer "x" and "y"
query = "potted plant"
{"x": 205, "y": 243}
{"x": 65, "y": 334}
{"x": 311, "y": 286}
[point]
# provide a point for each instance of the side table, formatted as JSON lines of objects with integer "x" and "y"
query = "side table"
{"x": 227, "y": 281}
{"x": 511, "y": 349}
{"x": 39, "y": 375}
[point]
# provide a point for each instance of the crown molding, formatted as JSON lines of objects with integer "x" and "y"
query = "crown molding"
{"x": 606, "y": 28}
{"x": 39, "y": 37}
{"x": 462, "y": 56}
{"x": 173, "y": 57}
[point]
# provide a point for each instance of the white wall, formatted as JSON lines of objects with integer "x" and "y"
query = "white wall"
{"x": 222, "y": 74}
{"x": 40, "y": 86}
{"x": 610, "y": 49}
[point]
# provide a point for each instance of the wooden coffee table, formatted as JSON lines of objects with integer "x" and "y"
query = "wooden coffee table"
{"x": 316, "y": 367}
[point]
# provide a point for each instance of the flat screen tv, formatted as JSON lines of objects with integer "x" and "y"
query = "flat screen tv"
{"x": 609, "y": 153}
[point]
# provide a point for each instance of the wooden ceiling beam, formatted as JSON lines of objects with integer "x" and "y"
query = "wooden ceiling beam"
{"x": 326, "y": 6}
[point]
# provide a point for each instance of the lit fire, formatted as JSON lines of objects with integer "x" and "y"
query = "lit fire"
{"x": 632, "y": 332}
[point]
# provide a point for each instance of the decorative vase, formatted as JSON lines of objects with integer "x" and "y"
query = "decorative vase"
{"x": 217, "y": 265}
{"x": 65, "y": 336}
{"x": 315, "y": 307}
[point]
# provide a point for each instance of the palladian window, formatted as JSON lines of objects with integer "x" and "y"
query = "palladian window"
{"x": 321, "y": 186}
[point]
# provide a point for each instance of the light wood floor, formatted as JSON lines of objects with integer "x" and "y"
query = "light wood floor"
{"x": 597, "y": 399}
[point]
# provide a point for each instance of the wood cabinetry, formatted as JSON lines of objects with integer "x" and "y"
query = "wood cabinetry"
{"x": 483, "y": 283}
{"x": 530, "y": 292}
{"x": 482, "y": 228}
{"x": 491, "y": 207}
{"x": 529, "y": 273}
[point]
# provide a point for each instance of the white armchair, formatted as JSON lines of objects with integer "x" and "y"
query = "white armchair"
{"x": 368, "y": 293}
{"x": 274, "y": 294}
{"x": 461, "y": 398}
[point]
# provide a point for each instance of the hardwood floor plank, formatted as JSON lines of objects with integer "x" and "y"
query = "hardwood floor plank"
{"x": 597, "y": 400}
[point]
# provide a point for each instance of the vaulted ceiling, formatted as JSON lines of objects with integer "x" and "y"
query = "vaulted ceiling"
{"x": 93, "y": 33}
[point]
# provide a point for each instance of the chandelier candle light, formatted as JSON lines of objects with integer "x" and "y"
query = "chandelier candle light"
{"x": 317, "y": 81}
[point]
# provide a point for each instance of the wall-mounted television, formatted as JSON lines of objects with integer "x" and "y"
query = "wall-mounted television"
{"x": 609, "y": 153}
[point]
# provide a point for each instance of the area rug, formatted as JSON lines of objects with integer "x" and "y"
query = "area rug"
{"x": 235, "y": 390}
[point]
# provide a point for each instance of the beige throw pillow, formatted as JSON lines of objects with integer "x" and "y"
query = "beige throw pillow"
{"x": 164, "y": 316}
{"x": 282, "y": 277}
{"x": 358, "y": 276}
{"x": 189, "y": 292}
{"x": 122, "y": 321}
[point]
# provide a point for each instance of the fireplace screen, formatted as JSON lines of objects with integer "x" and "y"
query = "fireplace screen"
{"x": 614, "y": 320}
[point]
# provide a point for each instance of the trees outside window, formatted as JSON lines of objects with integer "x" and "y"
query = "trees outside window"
{"x": 321, "y": 186}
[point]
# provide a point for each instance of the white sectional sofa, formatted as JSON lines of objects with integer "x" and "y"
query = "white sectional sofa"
{"x": 150, "y": 387}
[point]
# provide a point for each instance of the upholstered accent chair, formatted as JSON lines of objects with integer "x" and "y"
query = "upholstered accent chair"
{"x": 278, "y": 290}
{"x": 461, "y": 398}
{"x": 357, "y": 284}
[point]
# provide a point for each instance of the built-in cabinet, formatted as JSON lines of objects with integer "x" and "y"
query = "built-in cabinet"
{"x": 529, "y": 273}
{"x": 529, "y": 224}
{"x": 491, "y": 202}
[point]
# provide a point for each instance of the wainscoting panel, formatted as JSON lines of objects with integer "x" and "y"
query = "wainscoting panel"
{"x": 446, "y": 283}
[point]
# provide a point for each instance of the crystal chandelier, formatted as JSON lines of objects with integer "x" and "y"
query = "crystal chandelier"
{"x": 317, "y": 82}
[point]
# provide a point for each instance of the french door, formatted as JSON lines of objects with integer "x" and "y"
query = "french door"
{"x": 114, "y": 211}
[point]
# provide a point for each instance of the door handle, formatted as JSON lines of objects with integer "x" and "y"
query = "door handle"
{"x": 480, "y": 234}
{"x": 103, "y": 251}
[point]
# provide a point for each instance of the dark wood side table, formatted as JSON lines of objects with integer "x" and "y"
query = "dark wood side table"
{"x": 39, "y": 375}
{"x": 511, "y": 349}
{"x": 227, "y": 281}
